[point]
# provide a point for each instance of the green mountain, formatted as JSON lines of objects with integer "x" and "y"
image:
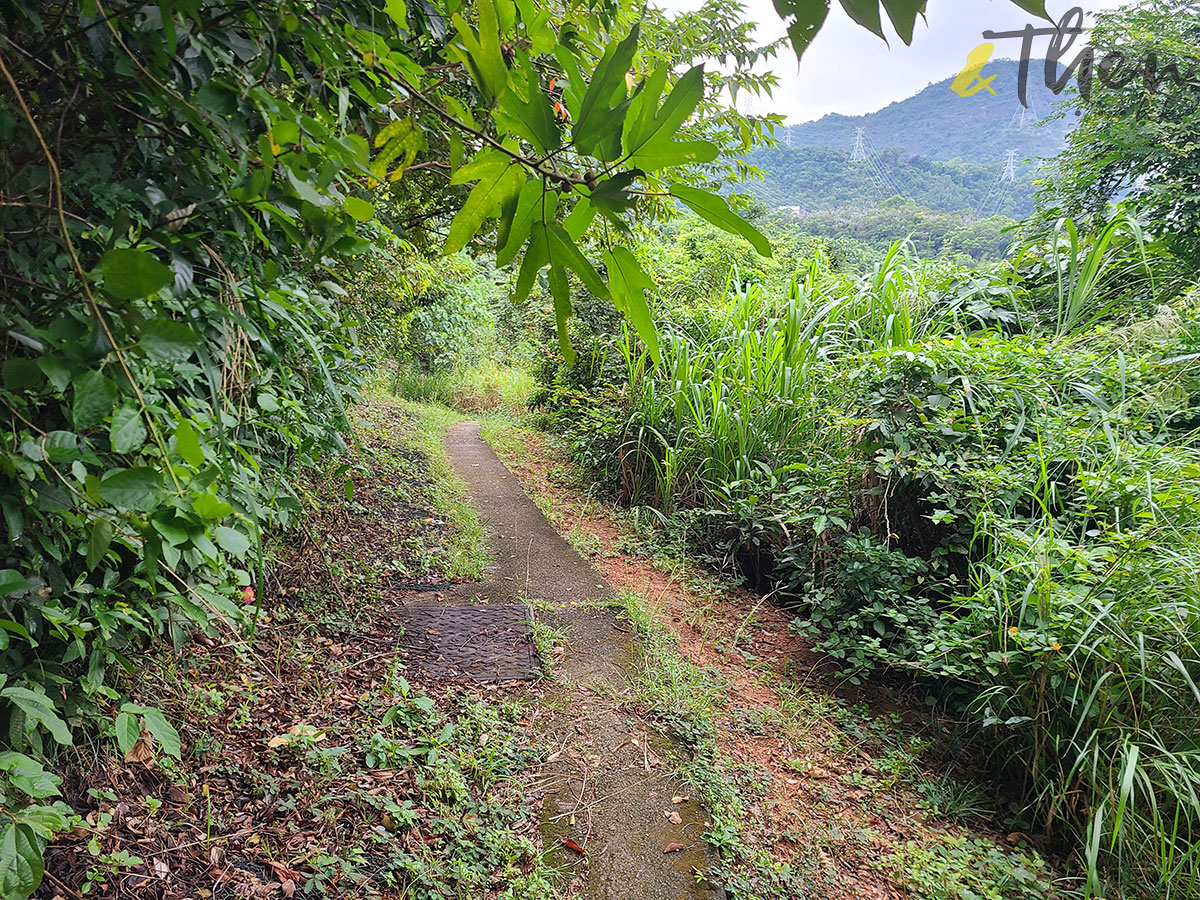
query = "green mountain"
{"x": 950, "y": 172}
{"x": 940, "y": 124}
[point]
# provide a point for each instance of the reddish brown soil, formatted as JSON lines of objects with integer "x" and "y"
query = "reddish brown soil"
{"x": 802, "y": 805}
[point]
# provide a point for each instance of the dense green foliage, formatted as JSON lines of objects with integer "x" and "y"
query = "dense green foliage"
{"x": 180, "y": 186}
{"x": 822, "y": 178}
{"x": 1138, "y": 130}
{"x": 867, "y": 233}
{"x": 985, "y": 480}
{"x": 184, "y": 189}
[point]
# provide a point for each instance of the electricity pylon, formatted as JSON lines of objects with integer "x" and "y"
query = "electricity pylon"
{"x": 859, "y": 152}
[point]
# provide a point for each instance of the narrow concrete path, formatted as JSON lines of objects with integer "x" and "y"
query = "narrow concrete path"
{"x": 610, "y": 790}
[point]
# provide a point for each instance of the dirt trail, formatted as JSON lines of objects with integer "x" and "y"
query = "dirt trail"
{"x": 608, "y": 787}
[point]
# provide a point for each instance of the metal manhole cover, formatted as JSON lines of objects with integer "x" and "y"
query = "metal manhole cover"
{"x": 469, "y": 643}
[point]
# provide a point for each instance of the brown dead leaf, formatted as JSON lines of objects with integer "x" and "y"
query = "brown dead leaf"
{"x": 142, "y": 750}
{"x": 283, "y": 873}
{"x": 673, "y": 817}
{"x": 677, "y": 800}
{"x": 571, "y": 845}
{"x": 673, "y": 848}
{"x": 288, "y": 887}
{"x": 295, "y": 733}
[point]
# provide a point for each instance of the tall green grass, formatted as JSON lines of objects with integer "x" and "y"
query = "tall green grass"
{"x": 483, "y": 387}
{"x": 988, "y": 481}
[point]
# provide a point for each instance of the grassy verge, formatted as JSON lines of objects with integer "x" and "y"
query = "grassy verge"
{"x": 691, "y": 701}
{"x": 466, "y": 555}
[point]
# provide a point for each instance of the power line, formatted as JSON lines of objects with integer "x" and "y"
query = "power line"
{"x": 859, "y": 152}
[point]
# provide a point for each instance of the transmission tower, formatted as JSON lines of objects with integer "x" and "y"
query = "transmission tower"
{"x": 859, "y": 152}
{"x": 1010, "y": 167}
{"x": 787, "y": 134}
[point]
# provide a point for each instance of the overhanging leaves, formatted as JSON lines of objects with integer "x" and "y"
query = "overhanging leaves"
{"x": 629, "y": 285}
{"x": 714, "y": 209}
{"x": 649, "y": 133}
{"x": 602, "y": 111}
{"x": 500, "y": 180}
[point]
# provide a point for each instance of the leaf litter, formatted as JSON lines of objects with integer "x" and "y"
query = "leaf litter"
{"x": 311, "y": 765}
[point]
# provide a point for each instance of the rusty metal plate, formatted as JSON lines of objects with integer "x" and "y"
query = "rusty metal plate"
{"x": 469, "y": 643}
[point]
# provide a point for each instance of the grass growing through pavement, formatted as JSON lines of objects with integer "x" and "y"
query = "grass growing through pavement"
{"x": 686, "y": 700}
{"x": 466, "y": 551}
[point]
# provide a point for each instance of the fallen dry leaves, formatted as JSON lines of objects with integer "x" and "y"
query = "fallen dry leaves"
{"x": 248, "y": 814}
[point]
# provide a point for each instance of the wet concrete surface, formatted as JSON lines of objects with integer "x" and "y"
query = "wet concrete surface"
{"x": 609, "y": 789}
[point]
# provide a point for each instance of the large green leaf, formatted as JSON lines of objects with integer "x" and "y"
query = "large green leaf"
{"x": 649, "y": 133}
{"x": 714, "y": 209}
{"x": 40, "y": 708}
{"x": 28, "y": 775}
{"x": 564, "y": 252}
{"x": 903, "y": 14}
{"x": 500, "y": 180}
{"x": 560, "y": 291}
{"x": 231, "y": 540}
{"x": 46, "y": 821}
{"x": 865, "y": 13}
{"x": 576, "y": 224}
{"x": 804, "y": 19}
{"x": 129, "y": 729}
{"x": 525, "y": 110}
{"x": 127, "y": 432}
{"x": 597, "y": 131}
{"x": 534, "y": 200}
{"x": 483, "y": 56}
{"x": 611, "y": 196}
{"x": 99, "y": 541}
{"x": 359, "y": 209}
{"x": 211, "y": 507}
{"x": 95, "y": 395}
{"x": 136, "y": 488}
{"x": 537, "y": 256}
{"x": 187, "y": 442}
{"x": 11, "y": 580}
{"x": 164, "y": 732}
{"x": 131, "y": 274}
{"x": 21, "y": 866}
{"x": 629, "y": 285}
{"x": 168, "y": 341}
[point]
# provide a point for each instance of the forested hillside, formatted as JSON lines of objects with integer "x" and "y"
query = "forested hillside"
{"x": 940, "y": 124}
{"x": 935, "y": 151}
{"x": 814, "y": 179}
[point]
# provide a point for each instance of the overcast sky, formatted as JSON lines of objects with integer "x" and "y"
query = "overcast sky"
{"x": 849, "y": 70}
